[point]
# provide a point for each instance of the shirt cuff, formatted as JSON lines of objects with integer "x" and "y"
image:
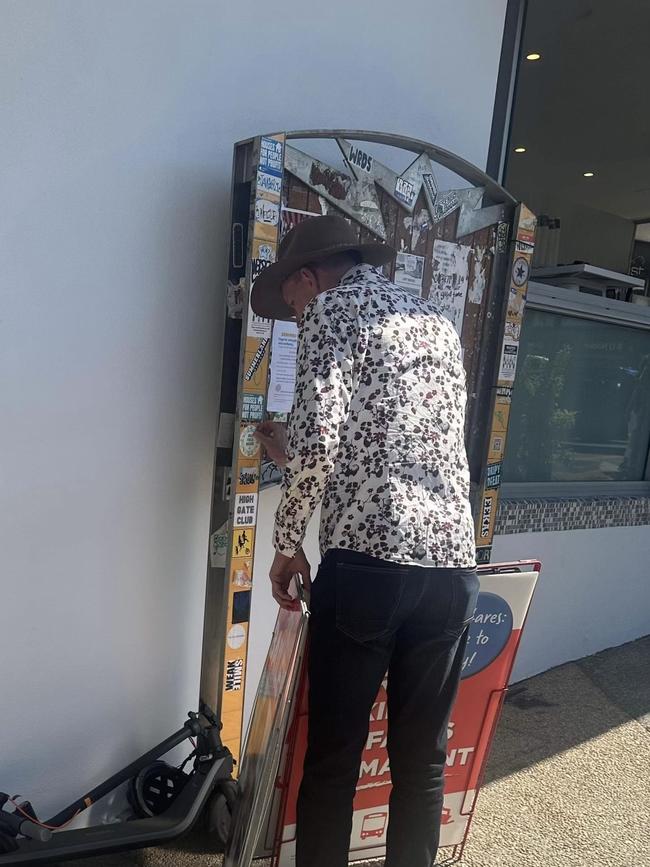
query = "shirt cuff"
{"x": 286, "y": 546}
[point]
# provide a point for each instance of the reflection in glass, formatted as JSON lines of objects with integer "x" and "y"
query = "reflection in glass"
{"x": 581, "y": 403}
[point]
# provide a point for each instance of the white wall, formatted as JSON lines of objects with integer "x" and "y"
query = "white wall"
{"x": 593, "y": 592}
{"x": 117, "y": 122}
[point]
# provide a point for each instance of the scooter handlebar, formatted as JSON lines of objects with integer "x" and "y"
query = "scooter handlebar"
{"x": 14, "y": 824}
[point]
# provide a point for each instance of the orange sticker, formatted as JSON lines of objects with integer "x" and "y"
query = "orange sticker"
{"x": 241, "y": 573}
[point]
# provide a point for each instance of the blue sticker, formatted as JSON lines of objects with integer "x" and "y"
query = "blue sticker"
{"x": 271, "y": 156}
{"x": 488, "y": 634}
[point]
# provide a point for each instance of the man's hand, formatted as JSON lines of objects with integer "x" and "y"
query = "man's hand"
{"x": 273, "y": 436}
{"x": 281, "y": 574}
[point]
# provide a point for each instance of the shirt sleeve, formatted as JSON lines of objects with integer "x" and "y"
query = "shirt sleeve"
{"x": 322, "y": 403}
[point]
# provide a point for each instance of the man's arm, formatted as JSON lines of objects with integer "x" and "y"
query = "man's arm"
{"x": 322, "y": 402}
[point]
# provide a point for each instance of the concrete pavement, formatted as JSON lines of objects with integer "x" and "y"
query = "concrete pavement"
{"x": 568, "y": 782}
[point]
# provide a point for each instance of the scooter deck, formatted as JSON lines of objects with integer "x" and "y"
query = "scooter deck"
{"x": 118, "y": 837}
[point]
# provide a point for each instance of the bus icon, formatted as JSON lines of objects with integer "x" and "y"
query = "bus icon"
{"x": 374, "y": 825}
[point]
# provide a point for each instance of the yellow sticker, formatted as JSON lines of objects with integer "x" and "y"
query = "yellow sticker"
{"x": 243, "y": 542}
{"x": 247, "y": 479}
{"x": 264, "y": 250}
{"x": 256, "y": 364}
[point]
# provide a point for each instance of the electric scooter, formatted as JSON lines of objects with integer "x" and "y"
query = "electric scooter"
{"x": 165, "y": 802}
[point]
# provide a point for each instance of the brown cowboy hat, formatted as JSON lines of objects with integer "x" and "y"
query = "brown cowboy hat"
{"x": 310, "y": 241}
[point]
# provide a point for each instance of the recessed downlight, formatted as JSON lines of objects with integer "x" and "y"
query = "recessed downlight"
{"x": 533, "y": 56}
{"x": 587, "y": 174}
{"x": 520, "y": 150}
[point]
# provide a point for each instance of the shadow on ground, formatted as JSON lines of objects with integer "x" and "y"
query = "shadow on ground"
{"x": 570, "y": 705}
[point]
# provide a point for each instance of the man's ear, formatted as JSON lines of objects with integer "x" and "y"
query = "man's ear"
{"x": 310, "y": 276}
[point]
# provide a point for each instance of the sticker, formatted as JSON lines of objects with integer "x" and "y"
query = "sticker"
{"x": 405, "y": 191}
{"x": 409, "y": 272}
{"x": 252, "y": 407}
{"x": 480, "y": 274}
{"x": 524, "y": 247}
{"x": 226, "y": 432}
{"x": 526, "y": 225}
{"x": 241, "y": 606}
{"x": 503, "y": 233}
{"x": 241, "y": 572}
{"x": 245, "y": 510}
{"x": 360, "y": 159}
{"x": 219, "y": 547}
{"x": 504, "y": 392}
{"x": 496, "y": 448}
{"x": 258, "y": 326}
{"x": 248, "y": 445}
{"x": 262, "y": 250}
{"x": 243, "y": 542}
{"x": 271, "y": 156}
{"x": 486, "y": 517}
{"x": 483, "y": 555}
{"x": 512, "y": 330}
{"x": 235, "y": 299}
{"x": 267, "y": 212}
{"x": 520, "y": 269}
{"x": 430, "y": 186}
{"x": 489, "y": 632}
{"x": 449, "y": 281}
{"x": 267, "y": 183}
{"x": 493, "y": 477}
{"x": 508, "y": 365}
{"x": 227, "y": 485}
{"x": 234, "y": 675}
{"x": 445, "y": 204}
{"x": 253, "y": 364}
{"x": 236, "y": 636}
{"x": 248, "y": 478}
{"x": 516, "y": 302}
{"x": 500, "y": 417}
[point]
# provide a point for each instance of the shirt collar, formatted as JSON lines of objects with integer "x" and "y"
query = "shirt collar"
{"x": 358, "y": 274}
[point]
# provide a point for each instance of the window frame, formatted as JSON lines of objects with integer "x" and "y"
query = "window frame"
{"x": 568, "y": 302}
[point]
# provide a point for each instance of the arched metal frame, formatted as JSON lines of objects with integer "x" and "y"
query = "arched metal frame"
{"x": 271, "y": 179}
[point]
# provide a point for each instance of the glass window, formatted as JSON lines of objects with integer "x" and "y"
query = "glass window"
{"x": 581, "y": 403}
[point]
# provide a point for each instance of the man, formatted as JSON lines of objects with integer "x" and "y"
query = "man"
{"x": 377, "y": 435}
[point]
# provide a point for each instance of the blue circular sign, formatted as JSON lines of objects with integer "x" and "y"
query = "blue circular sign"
{"x": 488, "y": 633}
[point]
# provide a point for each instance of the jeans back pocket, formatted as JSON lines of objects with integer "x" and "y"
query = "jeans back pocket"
{"x": 368, "y": 600}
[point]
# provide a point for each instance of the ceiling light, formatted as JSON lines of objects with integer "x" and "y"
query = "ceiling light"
{"x": 520, "y": 150}
{"x": 588, "y": 174}
{"x": 533, "y": 56}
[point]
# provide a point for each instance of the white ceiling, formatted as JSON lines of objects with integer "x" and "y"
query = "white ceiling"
{"x": 585, "y": 106}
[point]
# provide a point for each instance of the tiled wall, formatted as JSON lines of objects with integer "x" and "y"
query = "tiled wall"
{"x": 579, "y": 513}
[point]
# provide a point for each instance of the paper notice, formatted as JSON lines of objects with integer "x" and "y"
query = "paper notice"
{"x": 450, "y": 280}
{"x": 284, "y": 348}
{"x": 409, "y": 272}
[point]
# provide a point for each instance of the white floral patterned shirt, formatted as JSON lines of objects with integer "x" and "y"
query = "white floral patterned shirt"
{"x": 377, "y": 428}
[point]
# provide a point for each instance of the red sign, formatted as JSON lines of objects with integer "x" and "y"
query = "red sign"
{"x": 504, "y": 598}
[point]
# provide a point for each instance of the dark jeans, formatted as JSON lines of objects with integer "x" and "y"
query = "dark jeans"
{"x": 370, "y": 616}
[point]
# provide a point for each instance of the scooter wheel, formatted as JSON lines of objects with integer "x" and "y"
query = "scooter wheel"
{"x": 155, "y": 789}
{"x": 219, "y": 812}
